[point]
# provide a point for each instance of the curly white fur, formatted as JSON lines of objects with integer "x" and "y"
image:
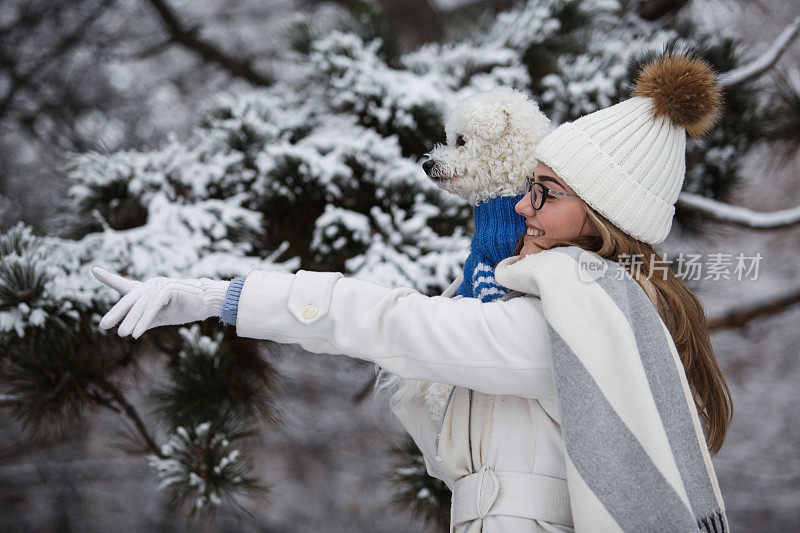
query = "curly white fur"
{"x": 500, "y": 129}
{"x": 435, "y": 395}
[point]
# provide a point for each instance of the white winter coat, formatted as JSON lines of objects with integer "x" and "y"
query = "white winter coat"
{"x": 496, "y": 355}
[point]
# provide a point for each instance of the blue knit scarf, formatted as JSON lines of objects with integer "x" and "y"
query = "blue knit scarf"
{"x": 497, "y": 229}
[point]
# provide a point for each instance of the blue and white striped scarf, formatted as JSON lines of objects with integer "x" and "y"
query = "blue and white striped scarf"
{"x": 637, "y": 459}
{"x": 497, "y": 229}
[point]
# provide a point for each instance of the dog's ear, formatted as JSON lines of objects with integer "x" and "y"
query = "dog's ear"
{"x": 489, "y": 121}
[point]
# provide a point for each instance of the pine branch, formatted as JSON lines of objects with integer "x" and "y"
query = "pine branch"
{"x": 425, "y": 496}
{"x": 737, "y": 317}
{"x": 766, "y": 61}
{"x": 130, "y": 411}
{"x": 209, "y": 52}
{"x": 99, "y": 399}
{"x": 738, "y": 216}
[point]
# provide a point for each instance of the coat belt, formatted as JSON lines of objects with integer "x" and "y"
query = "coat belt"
{"x": 521, "y": 494}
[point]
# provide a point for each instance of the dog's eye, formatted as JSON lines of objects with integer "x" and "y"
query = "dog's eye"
{"x": 460, "y": 141}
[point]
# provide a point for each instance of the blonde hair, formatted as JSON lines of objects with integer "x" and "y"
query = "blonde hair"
{"x": 681, "y": 312}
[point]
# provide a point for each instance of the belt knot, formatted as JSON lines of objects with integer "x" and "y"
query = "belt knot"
{"x": 488, "y": 489}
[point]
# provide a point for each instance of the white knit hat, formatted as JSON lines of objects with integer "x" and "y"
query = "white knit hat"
{"x": 628, "y": 161}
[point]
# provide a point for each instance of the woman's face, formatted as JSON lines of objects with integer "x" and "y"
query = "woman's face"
{"x": 560, "y": 218}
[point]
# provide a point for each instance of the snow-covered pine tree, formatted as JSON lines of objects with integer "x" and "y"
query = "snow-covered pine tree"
{"x": 320, "y": 171}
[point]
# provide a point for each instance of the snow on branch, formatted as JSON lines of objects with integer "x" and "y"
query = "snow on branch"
{"x": 738, "y": 216}
{"x": 766, "y": 61}
{"x": 739, "y": 316}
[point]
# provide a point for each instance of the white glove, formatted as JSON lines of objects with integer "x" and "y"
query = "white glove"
{"x": 160, "y": 301}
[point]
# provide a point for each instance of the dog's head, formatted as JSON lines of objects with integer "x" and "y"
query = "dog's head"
{"x": 491, "y": 137}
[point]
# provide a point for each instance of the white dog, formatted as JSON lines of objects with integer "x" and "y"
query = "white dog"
{"x": 491, "y": 137}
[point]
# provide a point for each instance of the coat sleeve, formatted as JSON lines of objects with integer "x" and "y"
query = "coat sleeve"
{"x": 500, "y": 347}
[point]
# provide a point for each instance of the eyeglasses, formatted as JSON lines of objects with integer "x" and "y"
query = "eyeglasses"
{"x": 540, "y": 192}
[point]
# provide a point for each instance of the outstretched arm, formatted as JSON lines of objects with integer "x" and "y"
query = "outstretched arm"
{"x": 496, "y": 348}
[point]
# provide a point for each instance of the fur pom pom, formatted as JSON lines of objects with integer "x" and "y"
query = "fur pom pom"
{"x": 683, "y": 86}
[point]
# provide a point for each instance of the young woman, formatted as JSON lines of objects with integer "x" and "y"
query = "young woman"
{"x": 575, "y": 402}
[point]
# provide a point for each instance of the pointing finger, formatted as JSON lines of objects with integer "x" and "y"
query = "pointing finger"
{"x": 115, "y": 281}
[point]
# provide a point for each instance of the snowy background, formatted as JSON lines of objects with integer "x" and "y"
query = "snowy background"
{"x": 204, "y": 154}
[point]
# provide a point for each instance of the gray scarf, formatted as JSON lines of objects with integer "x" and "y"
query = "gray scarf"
{"x": 637, "y": 459}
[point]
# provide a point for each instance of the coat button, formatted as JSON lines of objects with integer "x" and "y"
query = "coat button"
{"x": 310, "y": 311}
{"x": 439, "y": 458}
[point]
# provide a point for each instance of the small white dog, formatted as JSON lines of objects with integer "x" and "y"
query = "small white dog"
{"x": 491, "y": 137}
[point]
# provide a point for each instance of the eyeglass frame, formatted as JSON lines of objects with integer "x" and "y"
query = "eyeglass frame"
{"x": 545, "y": 192}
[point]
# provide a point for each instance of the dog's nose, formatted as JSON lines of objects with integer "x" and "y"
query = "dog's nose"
{"x": 428, "y": 165}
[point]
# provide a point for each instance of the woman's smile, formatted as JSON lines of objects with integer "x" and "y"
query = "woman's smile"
{"x": 533, "y": 232}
